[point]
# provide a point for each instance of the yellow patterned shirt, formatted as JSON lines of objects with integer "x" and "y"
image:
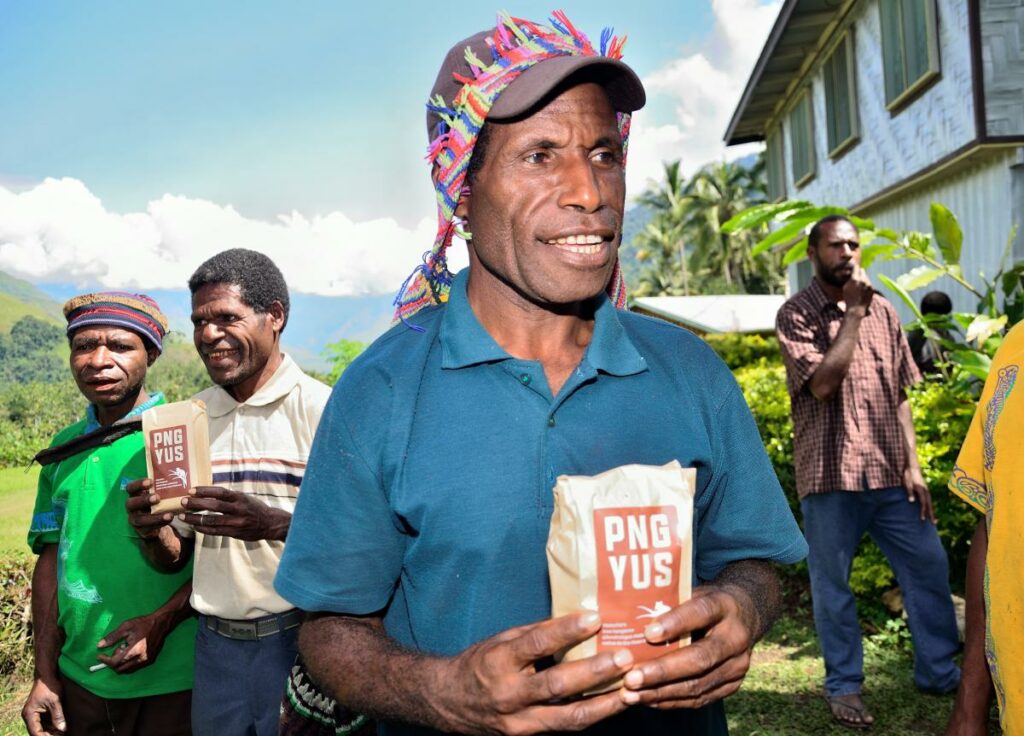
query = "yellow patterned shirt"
{"x": 989, "y": 475}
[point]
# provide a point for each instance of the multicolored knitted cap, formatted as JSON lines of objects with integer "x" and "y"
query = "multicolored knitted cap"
{"x": 469, "y": 90}
{"x": 136, "y": 312}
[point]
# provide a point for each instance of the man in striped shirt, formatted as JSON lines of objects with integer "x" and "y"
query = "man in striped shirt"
{"x": 263, "y": 413}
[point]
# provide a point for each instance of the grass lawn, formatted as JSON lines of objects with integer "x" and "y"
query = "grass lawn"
{"x": 782, "y": 693}
{"x": 17, "y": 497}
{"x": 11, "y": 700}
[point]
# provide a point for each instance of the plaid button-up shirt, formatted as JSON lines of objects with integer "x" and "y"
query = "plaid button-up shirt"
{"x": 853, "y": 441}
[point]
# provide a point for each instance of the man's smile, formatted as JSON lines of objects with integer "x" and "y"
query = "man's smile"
{"x": 220, "y": 356}
{"x": 590, "y": 243}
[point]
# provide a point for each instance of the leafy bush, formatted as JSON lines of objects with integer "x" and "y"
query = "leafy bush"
{"x": 31, "y": 414}
{"x": 739, "y": 351}
{"x": 15, "y": 618}
{"x": 942, "y": 413}
{"x": 33, "y": 351}
{"x": 341, "y": 354}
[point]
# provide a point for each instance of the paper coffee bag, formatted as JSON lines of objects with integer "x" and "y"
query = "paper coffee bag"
{"x": 621, "y": 545}
{"x": 177, "y": 438}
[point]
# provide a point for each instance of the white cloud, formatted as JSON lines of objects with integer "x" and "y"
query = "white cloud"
{"x": 58, "y": 231}
{"x": 702, "y": 89}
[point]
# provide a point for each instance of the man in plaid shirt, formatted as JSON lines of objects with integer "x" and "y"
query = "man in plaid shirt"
{"x": 847, "y": 367}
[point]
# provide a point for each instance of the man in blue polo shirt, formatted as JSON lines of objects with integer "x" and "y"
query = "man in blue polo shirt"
{"x": 419, "y": 536}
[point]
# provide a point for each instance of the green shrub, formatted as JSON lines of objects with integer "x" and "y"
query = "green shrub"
{"x": 31, "y": 414}
{"x": 15, "y": 617}
{"x": 739, "y": 351}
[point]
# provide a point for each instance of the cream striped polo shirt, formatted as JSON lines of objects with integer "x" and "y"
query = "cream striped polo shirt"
{"x": 259, "y": 447}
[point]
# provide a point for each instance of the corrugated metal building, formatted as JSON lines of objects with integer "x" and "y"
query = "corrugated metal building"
{"x": 885, "y": 106}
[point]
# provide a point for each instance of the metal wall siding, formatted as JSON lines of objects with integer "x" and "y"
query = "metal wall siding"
{"x": 1002, "y": 31}
{"x": 981, "y": 199}
{"x": 893, "y": 147}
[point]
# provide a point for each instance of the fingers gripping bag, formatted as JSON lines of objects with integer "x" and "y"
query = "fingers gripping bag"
{"x": 620, "y": 544}
{"x": 177, "y": 438}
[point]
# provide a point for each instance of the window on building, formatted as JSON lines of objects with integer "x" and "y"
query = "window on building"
{"x": 841, "y": 98}
{"x": 776, "y": 164}
{"x": 801, "y": 140}
{"x": 910, "y": 48}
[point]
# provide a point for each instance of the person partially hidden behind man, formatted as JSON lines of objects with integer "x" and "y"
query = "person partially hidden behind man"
{"x": 928, "y": 352}
{"x": 263, "y": 412}
{"x": 847, "y": 369}
{"x": 93, "y": 676}
{"x": 419, "y": 537}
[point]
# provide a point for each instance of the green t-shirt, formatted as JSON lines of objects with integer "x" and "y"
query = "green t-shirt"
{"x": 103, "y": 578}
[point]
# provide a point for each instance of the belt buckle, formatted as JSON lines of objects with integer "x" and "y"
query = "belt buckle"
{"x": 241, "y": 630}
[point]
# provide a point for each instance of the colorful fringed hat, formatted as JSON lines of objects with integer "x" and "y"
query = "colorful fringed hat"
{"x": 499, "y": 74}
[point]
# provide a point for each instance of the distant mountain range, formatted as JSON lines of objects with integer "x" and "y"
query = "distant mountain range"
{"x": 314, "y": 321}
{"x": 20, "y": 298}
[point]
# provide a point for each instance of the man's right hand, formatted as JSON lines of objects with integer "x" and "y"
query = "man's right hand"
{"x": 43, "y": 714}
{"x": 495, "y": 686}
{"x": 858, "y": 291}
{"x": 139, "y": 504}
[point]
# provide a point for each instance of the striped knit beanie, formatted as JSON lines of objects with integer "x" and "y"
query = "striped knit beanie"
{"x": 511, "y": 50}
{"x": 136, "y": 312}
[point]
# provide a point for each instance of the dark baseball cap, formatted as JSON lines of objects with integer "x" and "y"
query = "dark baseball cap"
{"x": 623, "y": 86}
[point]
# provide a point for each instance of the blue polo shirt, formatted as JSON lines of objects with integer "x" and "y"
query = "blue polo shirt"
{"x": 428, "y": 489}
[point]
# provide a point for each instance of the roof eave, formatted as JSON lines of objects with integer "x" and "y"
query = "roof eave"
{"x": 755, "y": 77}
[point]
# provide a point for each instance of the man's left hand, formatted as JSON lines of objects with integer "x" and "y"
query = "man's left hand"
{"x": 234, "y": 514}
{"x": 708, "y": 669}
{"x": 141, "y": 640}
{"x": 917, "y": 489}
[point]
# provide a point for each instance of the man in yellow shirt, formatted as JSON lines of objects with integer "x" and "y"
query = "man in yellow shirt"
{"x": 987, "y": 476}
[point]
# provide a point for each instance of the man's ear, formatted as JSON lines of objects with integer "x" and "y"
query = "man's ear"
{"x": 276, "y": 314}
{"x": 462, "y": 208}
{"x": 151, "y": 355}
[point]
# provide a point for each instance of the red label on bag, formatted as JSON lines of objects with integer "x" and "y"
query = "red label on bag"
{"x": 168, "y": 453}
{"x": 638, "y": 560}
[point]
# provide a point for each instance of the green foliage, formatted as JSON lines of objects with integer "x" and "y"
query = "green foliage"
{"x": 684, "y": 250}
{"x": 739, "y": 351}
{"x": 893, "y": 634}
{"x": 341, "y": 354}
{"x": 15, "y": 618}
{"x": 32, "y": 351}
{"x": 764, "y": 387}
{"x": 31, "y": 414}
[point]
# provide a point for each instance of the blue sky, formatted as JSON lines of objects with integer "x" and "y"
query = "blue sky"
{"x": 226, "y": 116}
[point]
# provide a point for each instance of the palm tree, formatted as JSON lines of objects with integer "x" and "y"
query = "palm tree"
{"x": 685, "y": 234}
{"x": 714, "y": 194}
{"x": 665, "y": 231}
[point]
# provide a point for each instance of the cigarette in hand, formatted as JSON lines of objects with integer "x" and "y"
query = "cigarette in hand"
{"x": 97, "y": 667}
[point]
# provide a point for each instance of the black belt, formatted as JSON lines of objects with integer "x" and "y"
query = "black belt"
{"x": 256, "y": 628}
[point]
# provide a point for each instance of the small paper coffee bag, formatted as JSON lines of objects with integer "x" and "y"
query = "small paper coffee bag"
{"x": 177, "y": 438}
{"x": 621, "y": 545}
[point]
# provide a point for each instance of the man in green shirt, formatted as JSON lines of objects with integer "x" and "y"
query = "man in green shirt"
{"x": 93, "y": 673}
